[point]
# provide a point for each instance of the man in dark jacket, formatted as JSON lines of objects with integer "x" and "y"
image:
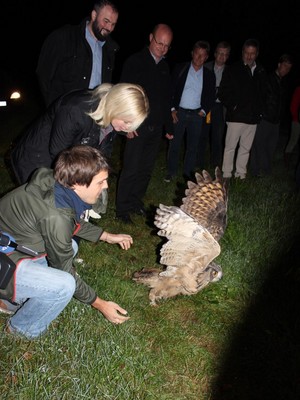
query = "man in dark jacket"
{"x": 81, "y": 56}
{"x": 214, "y": 127}
{"x": 149, "y": 69}
{"x": 267, "y": 131}
{"x": 193, "y": 88}
{"x": 44, "y": 215}
{"x": 242, "y": 91}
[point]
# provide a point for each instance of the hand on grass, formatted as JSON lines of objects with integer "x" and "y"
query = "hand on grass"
{"x": 111, "y": 311}
{"x": 123, "y": 240}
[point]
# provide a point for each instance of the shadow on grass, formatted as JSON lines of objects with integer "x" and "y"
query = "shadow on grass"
{"x": 263, "y": 360}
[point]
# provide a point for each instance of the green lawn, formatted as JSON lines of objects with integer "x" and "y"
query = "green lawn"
{"x": 237, "y": 339}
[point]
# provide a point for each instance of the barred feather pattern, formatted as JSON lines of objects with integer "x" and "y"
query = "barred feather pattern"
{"x": 186, "y": 238}
{"x": 192, "y": 232}
{"x": 206, "y": 202}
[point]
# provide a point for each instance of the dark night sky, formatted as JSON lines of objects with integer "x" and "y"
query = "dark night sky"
{"x": 25, "y": 24}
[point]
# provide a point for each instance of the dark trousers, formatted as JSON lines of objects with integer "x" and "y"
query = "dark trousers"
{"x": 297, "y": 175}
{"x": 213, "y": 134}
{"x": 140, "y": 154}
{"x": 189, "y": 124}
{"x": 263, "y": 148}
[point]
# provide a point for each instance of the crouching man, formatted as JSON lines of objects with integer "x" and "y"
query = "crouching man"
{"x": 44, "y": 215}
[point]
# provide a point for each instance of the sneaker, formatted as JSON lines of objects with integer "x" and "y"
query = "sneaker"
{"x": 91, "y": 214}
{"x": 4, "y": 309}
{"x": 168, "y": 178}
{"x": 240, "y": 176}
{"x": 239, "y": 179}
{"x": 94, "y": 215}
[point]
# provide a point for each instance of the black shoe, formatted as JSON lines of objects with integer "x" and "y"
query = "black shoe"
{"x": 168, "y": 178}
{"x": 125, "y": 218}
{"x": 140, "y": 211}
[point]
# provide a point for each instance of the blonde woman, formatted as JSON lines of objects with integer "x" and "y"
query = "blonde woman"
{"x": 89, "y": 117}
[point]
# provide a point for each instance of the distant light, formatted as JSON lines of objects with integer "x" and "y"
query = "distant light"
{"x": 3, "y": 104}
{"x": 15, "y": 95}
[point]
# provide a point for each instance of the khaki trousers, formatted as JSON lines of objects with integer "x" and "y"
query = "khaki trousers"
{"x": 239, "y": 136}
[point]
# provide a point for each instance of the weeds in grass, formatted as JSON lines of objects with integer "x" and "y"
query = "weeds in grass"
{"x": 236, "y": 339}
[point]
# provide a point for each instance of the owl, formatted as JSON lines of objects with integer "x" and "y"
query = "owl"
{"x": 192, "y": 233}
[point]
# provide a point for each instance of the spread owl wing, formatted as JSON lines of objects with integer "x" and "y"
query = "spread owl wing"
{"x": 187, "y": 255}
{"x": 187, "y": 239}
{"x": 192, "y": 232}
{"x": 206, "y": 202}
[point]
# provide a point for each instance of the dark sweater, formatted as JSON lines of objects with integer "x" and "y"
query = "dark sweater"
{"x": 140, "y": 68}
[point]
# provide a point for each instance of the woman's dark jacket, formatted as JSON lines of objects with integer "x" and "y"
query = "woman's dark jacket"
{"x": 65, "y": 123}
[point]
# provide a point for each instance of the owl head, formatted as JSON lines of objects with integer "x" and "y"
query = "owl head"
{"x": 212, "y": 273}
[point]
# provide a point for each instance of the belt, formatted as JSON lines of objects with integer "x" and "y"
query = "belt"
{"x": 196, "y": 110}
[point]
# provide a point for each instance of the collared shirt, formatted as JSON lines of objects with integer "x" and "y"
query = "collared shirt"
{"x": 252, "y": 68}
{"x": 104, "y": 132}
{"x": 96, "y": 47}
{"x": 191, "y": 94}
{"x": 157, "y": 60}
{"x": 218, "y": 74}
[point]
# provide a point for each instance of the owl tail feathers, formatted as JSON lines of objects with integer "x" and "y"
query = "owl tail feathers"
{"x": 162, "y": 286}
{"x": 147, "y": 276}
{"x": 151, "y": 278}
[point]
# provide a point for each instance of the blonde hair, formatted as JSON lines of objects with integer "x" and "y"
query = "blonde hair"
{"x": 124, "y": 101}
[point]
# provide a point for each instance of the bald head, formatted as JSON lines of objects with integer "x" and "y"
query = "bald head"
{"x": 160, "y": 40}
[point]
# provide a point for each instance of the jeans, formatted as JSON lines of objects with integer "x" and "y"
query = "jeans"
{"x": 42, "y": 292}
{"x": 191, "y": 124}
{"x": 212, "y": 134}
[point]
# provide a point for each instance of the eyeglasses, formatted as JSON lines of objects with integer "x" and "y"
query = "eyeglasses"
{"x": 161, "y": 45}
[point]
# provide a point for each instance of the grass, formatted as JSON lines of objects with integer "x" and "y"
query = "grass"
{"x": 236, "y": 339}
